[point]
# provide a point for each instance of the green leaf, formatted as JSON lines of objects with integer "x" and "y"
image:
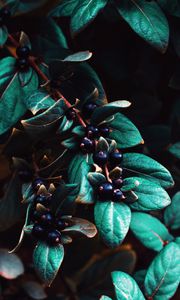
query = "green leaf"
{"x": 26, "y": 76}
{"x": 107, "y": 110}
{"x": 143, "y": 165}
{"x": 162, "y": 276}
{"x": 81, "y": 226}
{"x": 3, "y": 35}
{"x": 126, "y": 287}
{"x": 139, "y": 277}
{"x": 38, "y": 100}
{"x": 149, "y": 230}
{"x": 12, "y": 106}
{"x": 175, "y": 150}
{"x": 70, "y": 143}
{"x": 27, "y": 192}
{"x": 105, "y": 298}
{"x": 10, "y": 265}
{"x": 79, "y": 130}
{"x": 112, "y": 220}
{"x": 77, "y": 173}
{"x": 65, "y": 125}
{"x": 172, "y": 213}
{"x": 129, "y": 184}
{"x": 78, "y": 57}
{"x": 84, "y": 13}
{"x": 7, "y": 71}
{"x": 171, "y": 7}
{"x": 64, "y": 9}
{"x": 151, "y": 196}
{"x": 147, "y": 20}
{"x": 124, "y": 132}
{"x": 96, "y": 178}
{"x": 47, "y": 261}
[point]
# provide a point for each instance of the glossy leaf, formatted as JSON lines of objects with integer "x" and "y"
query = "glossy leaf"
{"x": 3, "y": 35}
{"x": 84, "y": 13}
{"x": 144, "y": 166}
{"x": 129, "y": 184}
{"x": 96, "y": 178}
{"x": 10, "y": 265}
{"x": 64, "y": 9}
{"x": 112, "y": 220}
{"x": 78, "y": 57}
{"x": 175, "y": 150}
{"x": 139, "y": 277}
{"x": 47, "y": 261}
{"x": 124, "y": 132}
{"x": 147, "y": 20}
{"x": 151, "y": 196}
{"x": 77, "y": 173}
{"x": 105, "y": 298}
{"x": 162, "y": 276}
{"x": 149, "y": 230}
{"x": 172, "y": 213}
{"x": 82, "y": 226}
{"x": 26, "y": 76}
{"x": 126, "y": 287}
{"x": 7, "y": 70}
{"x": 39, "y": 100}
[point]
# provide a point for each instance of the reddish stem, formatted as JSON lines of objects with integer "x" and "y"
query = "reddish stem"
{"x": 106, "y": 171}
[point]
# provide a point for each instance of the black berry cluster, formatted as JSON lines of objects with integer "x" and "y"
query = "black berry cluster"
{"x": 114, "y": 158}
{"x": 23, "y": 58}
{"x": 46, "y": 227}
{"x": 5, "y": 15}
{"x": 111, "y": 190}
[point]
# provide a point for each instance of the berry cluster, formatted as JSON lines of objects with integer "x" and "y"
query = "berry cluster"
{"x": 111, "y": 191}
{"x": 46, "y": 227}
{"x": 5, "y": 15}
{"x": 23, "y": 58}
{"x": 114, "y": 158}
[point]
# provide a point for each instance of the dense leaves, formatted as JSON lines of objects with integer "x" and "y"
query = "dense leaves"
{"x": 172, "y": 214}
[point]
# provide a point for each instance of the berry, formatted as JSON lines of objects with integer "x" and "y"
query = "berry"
{"x": 87, "y": 145}
{"x": 117, "y": 195}
{"x": 46, "y": 219}
{"x": 92, "y": 131}
{"x": 22, "y": 64}
{"x": 100, "y": 158}
{"x": 36, "y": 216}
{"x": 104, "y": 131}
{"x": 54, "y": 237}
{"x": 43, "y": 199}
{"x": 116, "y": 158}
{"x": 5, "y": 15}
{"x": 88, "y": 109}
{"x": 71, "y": 114}
{"x": 37, "y": 183}
{"x": 105, "y": 191}
{"x": 23, "y": 52}
{"x": 117, "y": 183}
{"x": 38, "y": 231}
{"x": 25, "y": 175}
{"x": 60, "y": 224}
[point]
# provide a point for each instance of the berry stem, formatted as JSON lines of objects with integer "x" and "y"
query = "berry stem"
{"x": 106, "y": 171}
{"x": 13, "y": 41}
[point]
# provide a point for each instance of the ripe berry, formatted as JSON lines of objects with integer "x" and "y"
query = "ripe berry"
{"x": 87, "y": 145}
{"x": 54, "y": 237}
{"x": 38, "y": 231}
{"x": 100, "y": 158}
{"x": 43, "y": 199}
{"x": 117, "y": 195}
{"x": 104, "y": 131}
{"x": 23, "y": 52}
{"x": 46, "y": 219}
{"x": 60, "y": 224}
{"x": 105, "y": 191}
{"x": 22, "y": 64}
{"x": 37, "y": 183}
{"x": 117, "y": 183}
{"x": 36, "y": 216}
{"x": 92, "y": 131}
{"x": 71, "y": 114}
{"x": 88, "y": 109}
{"x": 25, "y": 175}
{"x": 116, "y": 158}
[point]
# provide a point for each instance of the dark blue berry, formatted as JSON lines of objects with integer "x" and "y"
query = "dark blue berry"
{"x": 25, "y": 175}
{"x": 60, "y": 224}
{"x": 116, "y": 158}
{"x": 36, "y": 216}
{"x": 104, "y": 131}
{"x": 117, "y": 195}
{"x": 105, "y": 191}
{"x": 37, "y": 183}
{"x": 92, "y": 131}
{"x": 22, "y": 64}
{"x": 54, "y": 237}
{"x": 87, "y": 145}
{"x": 46, "y": 219}
{"x": 23, "y": 52}
{"x": 117, "y": 183}
{"x": 100, "y": 158}
{"x": 43, "y": 199}
{"x": 88, "y": 109}
{"x": 38, "y": 231}
{"x": 71, "y": 114}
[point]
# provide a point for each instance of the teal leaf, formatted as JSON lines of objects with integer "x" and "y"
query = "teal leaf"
{"x": 175, "y": 150}
{"x": 139, "y": 277}
{"x": 151, "y": 196}
{"x": 3, "y": 35}
{"x": 172, "y": 213}
{"x": 112, "y": 221}
{"x": 10, "y": 204}
{"x": 84, "y": 13}
{"x": 162, "y": 276}
{"x": 12, "y": 106}
{"x": 65, "y": 125}
{"x": 126, "y": 287}
{"x": 47, "y": 261}
{"x": 7, "y": 71}
{"x": 147, "y": 20}
{"x": 27, "y": 193}
{"x": 96, "y": 179}
{"x": 102, "y": 145}
{"x": 129, "y": 184}
{"x": 78, "y": 173}
{"x": 64, "y": 9}
{"x": 124, "y": 132}
{"x": 105, "y": 298}
{"x": 79, "y": 130}
{"x": 78, "y": 225}
{"x": 38, "y": 100}
{"x": 144, "y": 166}
{"x": 70, "y": 143}
{"x": 26, "y": 76}
{"x": 78, "y": 57}
{"x": 171, "y": 7}
{"x": 177, "y": 241}
{"x": 106, "y": 110}
{"x": 149, "y": 231}
{"x": 10, "y": 265}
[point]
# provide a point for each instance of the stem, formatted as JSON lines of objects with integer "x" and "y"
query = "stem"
{"x": 106, "y": 171}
